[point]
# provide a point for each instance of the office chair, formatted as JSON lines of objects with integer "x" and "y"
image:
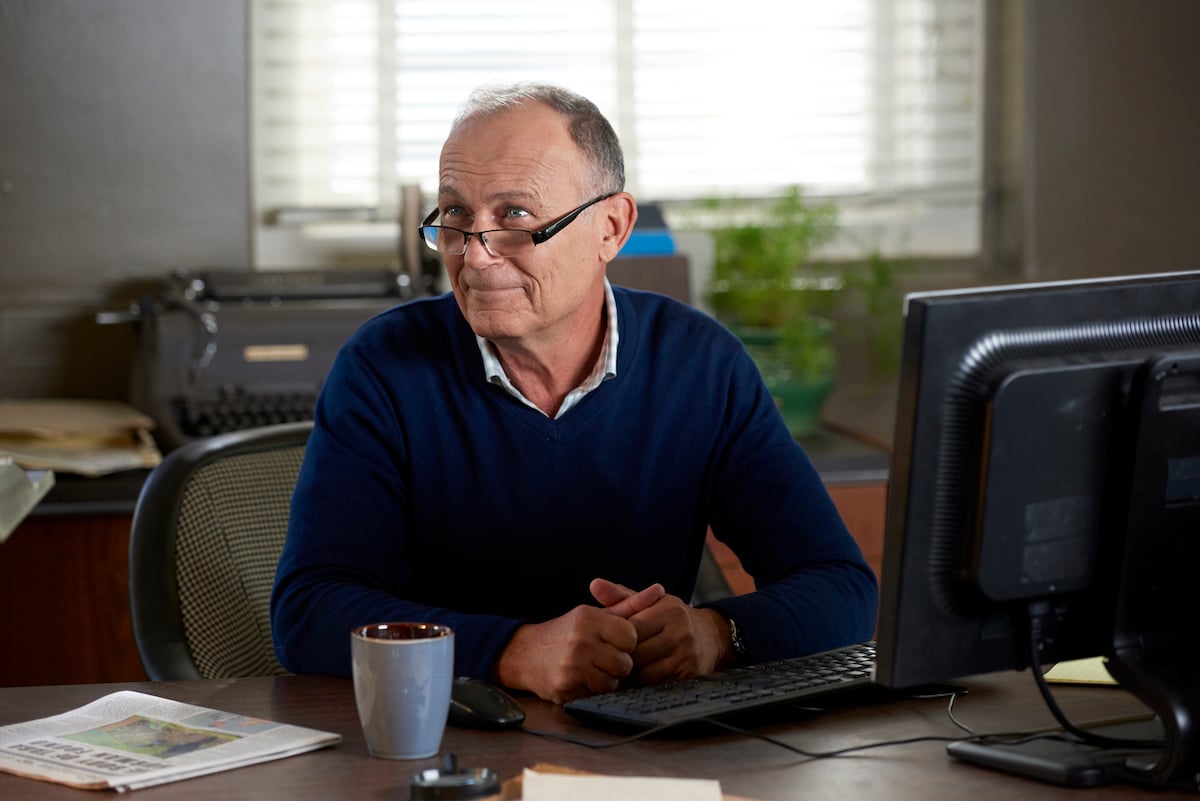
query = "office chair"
{"x": 208, "y": 529}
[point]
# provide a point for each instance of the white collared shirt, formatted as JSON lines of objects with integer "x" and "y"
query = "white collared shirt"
{"x": 605, "y": 368}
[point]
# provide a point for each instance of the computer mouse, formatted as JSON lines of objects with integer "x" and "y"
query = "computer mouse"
{"x": 476, "y": 704}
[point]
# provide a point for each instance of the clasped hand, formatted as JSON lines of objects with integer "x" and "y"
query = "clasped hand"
{"x": 646, "y": 634}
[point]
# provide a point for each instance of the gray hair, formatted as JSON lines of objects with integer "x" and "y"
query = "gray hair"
{"x": 589, "y": 128}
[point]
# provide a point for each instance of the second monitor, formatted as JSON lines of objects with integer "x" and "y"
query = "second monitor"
{"x": 1044, "y": 493}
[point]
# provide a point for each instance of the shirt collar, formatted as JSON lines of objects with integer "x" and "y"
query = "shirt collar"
{"x": 605, "y": 368}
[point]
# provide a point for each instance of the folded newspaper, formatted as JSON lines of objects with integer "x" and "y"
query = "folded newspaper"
{"x": 128, "y": 740}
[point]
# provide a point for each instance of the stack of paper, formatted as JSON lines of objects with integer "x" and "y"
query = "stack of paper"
{"x": 87, "y": 437}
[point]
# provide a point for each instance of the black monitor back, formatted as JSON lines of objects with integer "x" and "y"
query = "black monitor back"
{"x": 1037, "y": 471}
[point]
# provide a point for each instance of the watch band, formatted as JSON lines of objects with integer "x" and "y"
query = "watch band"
{"x": 735, "y": 641}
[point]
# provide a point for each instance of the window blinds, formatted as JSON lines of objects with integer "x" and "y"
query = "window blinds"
{"x": 875, "y": 102}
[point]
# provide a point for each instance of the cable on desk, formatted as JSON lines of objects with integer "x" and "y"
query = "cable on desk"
{"x": 1009, "y": 738}
{"x": 766, "y": 738}
{"x": 594, "y": 744}
{"x": 736, "y": 730}
{"x": 1083, "y": 735}
{"x": 1118, "y": 775}
{"x": 956, "y": 721}
{"x": 827, "y": 754}
{"x": 1006, "y": 738}
{"x": 971, "y": 735}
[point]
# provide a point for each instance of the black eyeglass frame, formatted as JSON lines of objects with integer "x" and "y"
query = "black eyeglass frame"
{"x": 538, "y": 237}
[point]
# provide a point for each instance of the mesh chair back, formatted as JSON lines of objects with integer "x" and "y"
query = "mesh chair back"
{"x": 232, "y": 522}
{"x": 207, "y": 533}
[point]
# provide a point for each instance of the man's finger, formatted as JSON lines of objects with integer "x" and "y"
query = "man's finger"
{"x": 609, "y": 593}
{"x": 624, "y": 602}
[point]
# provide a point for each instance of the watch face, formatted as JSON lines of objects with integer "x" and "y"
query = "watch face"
{"x": 735, "y": 639}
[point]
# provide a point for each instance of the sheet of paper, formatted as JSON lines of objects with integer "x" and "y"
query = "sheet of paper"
{"x": 54, "y": 417}
{"x": 88, "y": 437}
{"x": 1080, "y": 671}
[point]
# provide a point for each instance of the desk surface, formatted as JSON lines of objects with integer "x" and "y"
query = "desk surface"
{"x": 745, "y": 766}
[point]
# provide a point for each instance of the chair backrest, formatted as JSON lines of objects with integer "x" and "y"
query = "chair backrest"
{"x": 207, "y": 533}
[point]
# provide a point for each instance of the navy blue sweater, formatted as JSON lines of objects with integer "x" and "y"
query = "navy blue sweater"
{"x": 428, "y": 493}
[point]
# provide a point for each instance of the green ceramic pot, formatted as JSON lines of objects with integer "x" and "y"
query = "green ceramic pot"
{"x": 800, "y": 398}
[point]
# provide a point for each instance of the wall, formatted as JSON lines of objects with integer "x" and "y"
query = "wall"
{"x": 1108, "y": 162}
{"x": 125, "y": 142}
{"x": 123, "y": 155}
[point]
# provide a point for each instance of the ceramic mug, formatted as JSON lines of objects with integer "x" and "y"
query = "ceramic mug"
{"x": 402, "y": 678}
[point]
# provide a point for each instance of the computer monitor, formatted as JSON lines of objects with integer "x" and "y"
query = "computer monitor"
{"x": 1044, "y": 493}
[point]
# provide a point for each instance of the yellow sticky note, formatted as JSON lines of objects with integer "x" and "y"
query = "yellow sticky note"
{"x": 1081, "y": 671}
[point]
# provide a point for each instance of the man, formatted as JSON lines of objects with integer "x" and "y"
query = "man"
{"x": 535, "y": 459}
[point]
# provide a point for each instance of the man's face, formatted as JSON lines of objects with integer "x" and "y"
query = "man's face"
{"x": 521, "y": 169}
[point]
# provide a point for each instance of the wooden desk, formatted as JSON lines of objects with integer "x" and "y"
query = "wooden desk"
{"x": 745, "y": 766}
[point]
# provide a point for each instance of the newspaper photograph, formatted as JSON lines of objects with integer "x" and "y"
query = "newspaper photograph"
{"x": 129, "y": 740}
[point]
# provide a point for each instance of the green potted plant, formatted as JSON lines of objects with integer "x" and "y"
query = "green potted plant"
{"x": 767, "y": 289}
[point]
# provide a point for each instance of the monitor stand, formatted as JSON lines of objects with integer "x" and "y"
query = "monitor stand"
{"x": 1156, "y": 653}
{"x": 1155, "y": 649}
{"x": 1065, "y": 761}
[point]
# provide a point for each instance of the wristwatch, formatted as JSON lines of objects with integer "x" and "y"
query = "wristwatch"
{"x": 735, "y": 641}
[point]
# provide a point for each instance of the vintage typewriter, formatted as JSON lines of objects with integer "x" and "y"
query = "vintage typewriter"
{"x": 223, "y": 350}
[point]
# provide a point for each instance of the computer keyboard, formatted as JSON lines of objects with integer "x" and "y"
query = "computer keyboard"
{"x": 805, "y": 678}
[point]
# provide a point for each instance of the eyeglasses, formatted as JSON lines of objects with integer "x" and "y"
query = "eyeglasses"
{"x": 500, "y": 242}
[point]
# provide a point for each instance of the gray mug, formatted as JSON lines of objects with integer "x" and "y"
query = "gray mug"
{"x": 402, "y": 678}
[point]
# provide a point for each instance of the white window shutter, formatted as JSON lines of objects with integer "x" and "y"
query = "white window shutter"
{"x": 877, "y": 103}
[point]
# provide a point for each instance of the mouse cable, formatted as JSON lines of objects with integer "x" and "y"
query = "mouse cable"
{"x": 825, "y": 754}
{"x": 1008, "y": 738}
{"x": 554, "y": 735}
{"x": 928, "y": 738}
{"x": 736, "y": 730}
{"x": 728, "y": 727}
